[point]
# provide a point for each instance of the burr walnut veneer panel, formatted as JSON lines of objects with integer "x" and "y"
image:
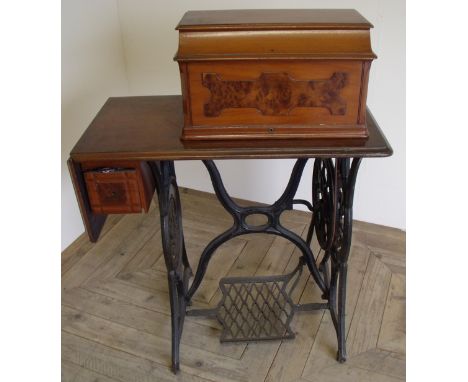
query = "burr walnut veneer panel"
{"x": 276, "y": 98}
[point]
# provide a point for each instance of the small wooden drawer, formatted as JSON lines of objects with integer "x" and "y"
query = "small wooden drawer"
{"x": 118, "y": 188}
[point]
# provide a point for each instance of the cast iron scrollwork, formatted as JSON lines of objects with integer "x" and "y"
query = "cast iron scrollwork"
{"x": 173, "y": 227}
{"x": 332, "y": 201}
{"x": 273, "y": 212}
{"x": 324, "y": 195}
{"x": 175, "y": 255}
{"x": 332, "y": 193}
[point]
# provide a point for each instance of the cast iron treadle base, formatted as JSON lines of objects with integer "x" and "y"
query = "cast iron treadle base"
{"x": 256, "y": 308}
{"x": 260, "y": 308}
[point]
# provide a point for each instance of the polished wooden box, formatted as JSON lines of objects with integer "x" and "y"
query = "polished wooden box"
{"x": 251, "y": 74}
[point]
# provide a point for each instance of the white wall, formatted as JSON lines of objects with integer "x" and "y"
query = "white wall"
{"x": 149, "y": 44}
{"x": 93, "y": 68}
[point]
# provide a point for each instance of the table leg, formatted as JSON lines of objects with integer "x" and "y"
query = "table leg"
{"x": 175, "y": 256}
{"x": 333, "y": 193}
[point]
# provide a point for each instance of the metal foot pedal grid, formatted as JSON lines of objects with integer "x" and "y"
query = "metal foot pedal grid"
{"x": 255, "y": 308}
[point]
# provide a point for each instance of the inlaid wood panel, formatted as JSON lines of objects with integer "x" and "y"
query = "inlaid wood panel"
{"x": 116, "y": 320}
{"x": 277, "y": 93}
{"x": 118, "y": 187}
{"x": 114, "y": 192}
{"x": 274, "y": 94}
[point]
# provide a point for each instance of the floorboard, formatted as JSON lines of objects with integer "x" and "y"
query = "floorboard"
{"x": 116, "y": 318}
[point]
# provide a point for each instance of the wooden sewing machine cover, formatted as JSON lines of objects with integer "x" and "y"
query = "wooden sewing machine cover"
{"x": 250, "y": 74}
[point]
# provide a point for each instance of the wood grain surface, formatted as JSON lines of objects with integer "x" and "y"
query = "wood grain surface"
{"x": 273, "y": 18}
{"x": 149, "y": 128}
{"x": 274, "y": 100}
{"x": 274, "y": 74}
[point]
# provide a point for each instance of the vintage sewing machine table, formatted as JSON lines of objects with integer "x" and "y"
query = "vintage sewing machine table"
{"x": 129, "y": 150}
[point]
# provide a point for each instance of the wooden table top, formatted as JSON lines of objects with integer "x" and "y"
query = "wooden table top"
{"x": 149, "y": 128}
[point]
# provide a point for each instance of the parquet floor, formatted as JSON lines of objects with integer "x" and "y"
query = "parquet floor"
{"x": 115, "y": 315}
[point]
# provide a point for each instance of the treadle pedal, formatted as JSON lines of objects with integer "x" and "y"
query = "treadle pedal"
{"x": 255, "y": 308}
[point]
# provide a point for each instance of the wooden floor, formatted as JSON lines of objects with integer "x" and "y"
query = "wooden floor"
{"x": 115, "y": 316}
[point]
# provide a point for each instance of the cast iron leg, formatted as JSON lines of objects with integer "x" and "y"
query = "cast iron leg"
{"x": 175, "y": 256}
{"x": 333, "y": 193}
{"x": 332, "y": 190}
{"x": 341, "y": 330}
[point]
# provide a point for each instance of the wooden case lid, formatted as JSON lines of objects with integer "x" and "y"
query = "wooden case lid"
{"x": 261, "y": 19}
{"x": 274, "y": 34}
